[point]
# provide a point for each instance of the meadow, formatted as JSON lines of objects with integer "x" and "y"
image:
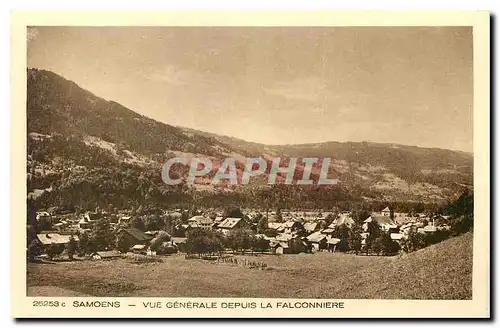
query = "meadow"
{"x": 441, "y": 271}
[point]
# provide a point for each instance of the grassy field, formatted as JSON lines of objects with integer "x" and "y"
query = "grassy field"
{"x": 442, "y": 271}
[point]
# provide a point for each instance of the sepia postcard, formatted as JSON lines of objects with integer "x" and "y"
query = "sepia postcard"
{"x": 250, "y": 165}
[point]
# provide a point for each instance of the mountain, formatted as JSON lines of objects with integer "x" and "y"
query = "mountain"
{"x": 84, "y": 150}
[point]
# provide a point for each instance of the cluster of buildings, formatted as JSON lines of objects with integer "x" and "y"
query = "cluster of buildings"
{"x": 297, "y": 232}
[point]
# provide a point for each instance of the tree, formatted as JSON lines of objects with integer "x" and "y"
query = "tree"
{"x": 101, "y": 237}
{"x": 359, "y": 215}
{"x": 377, "y": 246}
{"x": 137, "y": 223}
{"x": 233, "y": 212}
{"x": 121, "y": 243}
{"x": 157, "y": 242}
{"x": 262, "y": 224}
{"x": 374, "y": 231}
{"x": 54, "y": 250}
{"x": 200, "y": 241}
{"x": 415, "y": 241}
{"x": 342, "y": 233}
{"x": 329, "y": 219}
{"x": 239, "y": 239}
{"x": 464, "y": 205}
{"x": 33, "y": 250}
{"x": 259, "y": 244}
{"x": 462, "y": 225}
{"x": 83, "y": 245}
{"x": 279, "y": 216}
{"x": 388, "y": 246}
{"x": 354, "y": 239}
{"x": 71, "y": 247}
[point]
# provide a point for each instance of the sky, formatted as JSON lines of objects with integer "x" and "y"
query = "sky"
{"x": 278, "y": 85}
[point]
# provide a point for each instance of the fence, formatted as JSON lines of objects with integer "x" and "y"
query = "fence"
{"x": 243, "y": 262}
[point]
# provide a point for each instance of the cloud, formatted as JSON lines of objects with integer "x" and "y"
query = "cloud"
{"x": 32, "y": 33}
{"x": 172, "y": 75}
{"x": 310, "y": 89}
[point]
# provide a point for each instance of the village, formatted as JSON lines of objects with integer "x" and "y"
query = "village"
{"x": 101, "y": 235}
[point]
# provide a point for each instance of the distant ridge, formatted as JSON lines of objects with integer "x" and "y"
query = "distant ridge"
{"x": 91, "y": 132}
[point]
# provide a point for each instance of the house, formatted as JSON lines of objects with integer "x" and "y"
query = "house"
{"x": 43, "y": 215}
{"x": 279, "y": 247}
{"x": 398, "y": 237}
{"x": 295, "y": 243}
{"x": 84, "y": 223}
{"x": 139, "y": 249}
{"x": 291, "y": 226}
{"x": 429, "y": 229}
{"x": 386, "y": 211}
{"x": 385, "y": 222}
{"x": 200, "y": 221}
{"x": 180, "y": 243}
{"x": 134, "y": 236}
{"x": 317, "y": 240}
{"x": 276, "y": 226}
{"x": 46, "y": 240}
{"x": 261, "y": 235}
{"x": 364, "y": 235}
{"x": 217, "y": 220}
{"x": 106, "y": 255}
{"x": 230, "y": 224}
{"x": 328, "y": 231}
{"x": 310, "y": 227}
{"x": 124, "y": 220}
{"x": 344, "y": 218}
{"x": 60, "y": 226}
{"x": 331, "y": 244}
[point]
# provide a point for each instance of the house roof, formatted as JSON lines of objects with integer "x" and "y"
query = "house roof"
{"x": 397, "y": 236}
{"x": 316, "y": 237}
{"x": 386, "y": 209}
{"x": 383, "y": 220}
{"x": 229, "y": 223}
{"x": 42, "y": 213}
{"x": 310, "y": 226}
{"x": 54, "y": 238}
{"x": 344, "y": 218}
{"x": 274, "y": 225}
{"x": 430, "y": 228}
{"x": 137, "y": 234}
{"x": 279, "y": 244}
{"x": 289, "y": 224}
{"x": 284, "y": 237}
{"x": 179, "y": 240}
{"x": 328, "y": 230}
{"x": 200, "y": 219}
{"x": 107, "y": 254}
{"x": 333, "y": 241}
{"x": 139, "y": 247}
{"x": 261, "y": 235}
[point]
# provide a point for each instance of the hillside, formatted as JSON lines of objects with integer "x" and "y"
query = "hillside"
{"x": 441, "y": 271}
{"x": 84, "y": 150}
